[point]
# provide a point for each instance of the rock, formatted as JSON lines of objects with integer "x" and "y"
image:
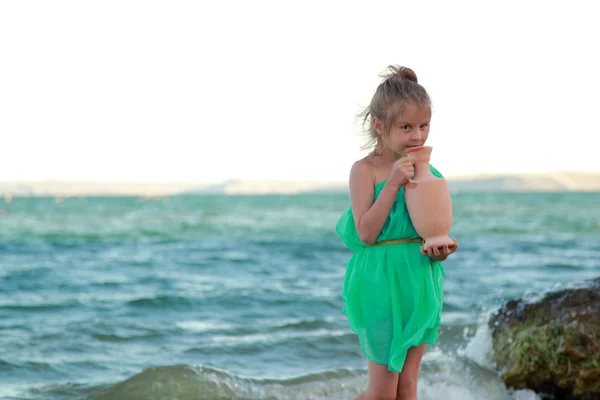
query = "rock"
{"x": 552, "y": 345}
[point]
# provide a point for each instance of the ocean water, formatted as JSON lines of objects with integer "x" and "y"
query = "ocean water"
{"x": 238, "y": 297}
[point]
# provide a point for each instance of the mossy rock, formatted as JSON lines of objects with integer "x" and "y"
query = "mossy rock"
{"x": 551, "y": 346}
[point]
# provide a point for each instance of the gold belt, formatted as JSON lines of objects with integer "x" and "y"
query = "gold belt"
{"x": 397, "y": 241}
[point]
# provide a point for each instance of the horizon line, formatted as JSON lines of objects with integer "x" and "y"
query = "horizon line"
{"x": 266, "y": 179}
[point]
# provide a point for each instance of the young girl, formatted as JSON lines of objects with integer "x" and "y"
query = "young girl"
{"x": 392, "y": 291}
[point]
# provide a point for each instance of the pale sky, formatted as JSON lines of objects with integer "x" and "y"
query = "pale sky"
{"x": 204, "y": 91}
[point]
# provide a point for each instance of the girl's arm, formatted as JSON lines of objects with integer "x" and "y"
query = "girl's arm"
{"x": 369, "y": 216}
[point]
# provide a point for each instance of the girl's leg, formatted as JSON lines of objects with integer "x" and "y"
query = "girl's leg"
{"x": 383, "y": 384}
{"x": 408, "y": 378}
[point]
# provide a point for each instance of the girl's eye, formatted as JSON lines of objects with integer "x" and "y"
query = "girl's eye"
{"x": 424, "y": 125}
{"x": 405, "y": 127}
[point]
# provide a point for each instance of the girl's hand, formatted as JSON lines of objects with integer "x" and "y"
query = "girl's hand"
{"x": 438, "y": 254}
{"x": 402, "y": 170}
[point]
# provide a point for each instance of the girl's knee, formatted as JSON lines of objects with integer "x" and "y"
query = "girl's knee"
{"x": 382, "y": 396}
{"x": 408, "y": 381}
{"x": 407, "y": 388}
{"x": 374, "y": 394}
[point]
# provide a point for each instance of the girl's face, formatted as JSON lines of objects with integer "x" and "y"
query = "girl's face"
{"x": 411, "y": 129}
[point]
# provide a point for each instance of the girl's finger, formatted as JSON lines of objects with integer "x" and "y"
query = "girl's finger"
{"x": 411, "y": 184}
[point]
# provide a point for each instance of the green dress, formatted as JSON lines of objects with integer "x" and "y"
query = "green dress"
{"x": 393, "y": 295}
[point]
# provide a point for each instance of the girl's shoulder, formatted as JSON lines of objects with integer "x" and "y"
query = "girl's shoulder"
{"x": 362, "y": 171}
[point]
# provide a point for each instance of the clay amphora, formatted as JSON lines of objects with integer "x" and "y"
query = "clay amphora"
{"x": 429, "y": 203}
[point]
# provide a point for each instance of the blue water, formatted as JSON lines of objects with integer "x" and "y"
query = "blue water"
{"x": 239, "y": 296}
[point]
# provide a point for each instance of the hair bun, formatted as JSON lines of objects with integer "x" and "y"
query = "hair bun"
{"x": 400, "y": 72}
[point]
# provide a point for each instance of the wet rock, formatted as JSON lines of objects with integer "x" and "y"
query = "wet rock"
{"x": 552, "y": 345}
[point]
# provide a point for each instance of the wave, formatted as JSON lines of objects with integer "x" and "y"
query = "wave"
{"x": 462, "y": 374}
{"x": 443, "y": 375}
{"x": 162, "y": 302}
{"x": 457, "y": 369}
{"x": 203, "y": 382}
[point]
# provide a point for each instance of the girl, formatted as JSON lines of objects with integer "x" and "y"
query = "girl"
{"x": 392, "y": 290}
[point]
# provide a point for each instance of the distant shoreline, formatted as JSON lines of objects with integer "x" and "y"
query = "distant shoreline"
{"x": 554, "y": 182}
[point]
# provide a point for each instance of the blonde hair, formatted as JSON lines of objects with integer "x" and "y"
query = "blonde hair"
{"x": 399, "y": 87}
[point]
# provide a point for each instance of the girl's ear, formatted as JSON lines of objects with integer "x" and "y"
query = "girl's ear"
{"x": 378, "y": 125}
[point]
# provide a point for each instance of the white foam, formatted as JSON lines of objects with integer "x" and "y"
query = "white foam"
{"x": 7, "y": 391}
{"x": 456, "y": 377}
{"x": 468, "y": 374}
{"x": 202, "y": 326}
{"x": 479, "y": 347}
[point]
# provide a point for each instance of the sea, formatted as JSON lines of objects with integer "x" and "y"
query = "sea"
{"x": 239, "y": 297}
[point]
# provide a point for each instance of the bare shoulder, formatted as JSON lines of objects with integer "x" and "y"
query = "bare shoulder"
{"x": 362, "y": 183}
{"x": 362, "y": 172}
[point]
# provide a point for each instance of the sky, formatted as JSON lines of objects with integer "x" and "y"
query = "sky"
{"x": 199, "y": 91}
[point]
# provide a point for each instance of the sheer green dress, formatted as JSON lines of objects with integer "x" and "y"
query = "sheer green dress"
{"x": 393, "y": 295}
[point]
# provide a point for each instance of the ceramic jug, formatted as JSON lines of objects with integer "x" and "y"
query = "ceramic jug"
{"x": 428, "y": 202}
